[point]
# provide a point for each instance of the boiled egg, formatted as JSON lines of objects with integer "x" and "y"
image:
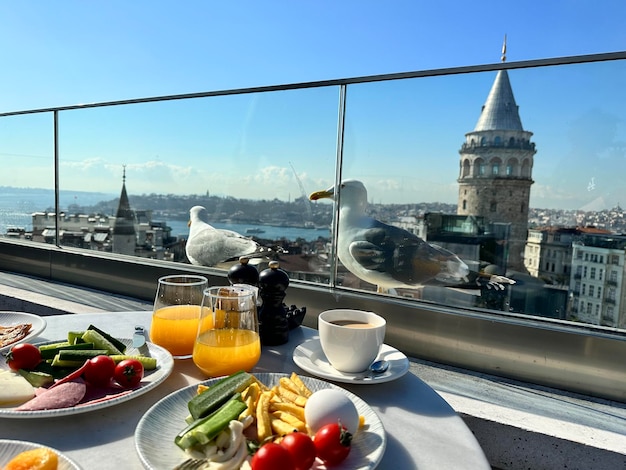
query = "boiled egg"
{"x": 329, "y": 406}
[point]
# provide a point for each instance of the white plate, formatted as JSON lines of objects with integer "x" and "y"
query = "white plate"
{"x": 38, "y": 324}
{"x": 152, "y": 378}
{"x": 155, "y": 433}
{"x": 10, "y": 448}
{"x": 310, "y": 357}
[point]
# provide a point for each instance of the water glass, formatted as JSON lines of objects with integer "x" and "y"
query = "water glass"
{"x": 228, "y": 334}
{"x": 176, "y": 313}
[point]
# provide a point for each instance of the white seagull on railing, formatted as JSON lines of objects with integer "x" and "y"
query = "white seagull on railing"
{"x": 208, "y": 246}
{"x": 384, "y": 255}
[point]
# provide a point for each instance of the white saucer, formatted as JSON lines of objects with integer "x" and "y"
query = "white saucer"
{"x": 310, "y": 357}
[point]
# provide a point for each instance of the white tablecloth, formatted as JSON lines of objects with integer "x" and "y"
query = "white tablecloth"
{"x": 423, "y": 431}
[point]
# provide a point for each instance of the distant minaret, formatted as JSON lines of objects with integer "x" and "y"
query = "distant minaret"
{"x": 124, "y": 236}
{"x": 496, "y": 167}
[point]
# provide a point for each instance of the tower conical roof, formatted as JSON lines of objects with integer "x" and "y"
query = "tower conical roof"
{"x": 500, "y": 111}
{"x": 125, "y": 218}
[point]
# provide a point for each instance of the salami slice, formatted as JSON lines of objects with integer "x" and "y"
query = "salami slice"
{"x": 63, "y": 396}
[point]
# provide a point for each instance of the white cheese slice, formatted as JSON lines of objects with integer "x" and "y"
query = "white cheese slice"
{"x": 14, "y": 389}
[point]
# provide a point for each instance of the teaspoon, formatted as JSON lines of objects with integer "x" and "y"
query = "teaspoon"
{"x": 378, "y": 367}
{"x": 375, "y": 368}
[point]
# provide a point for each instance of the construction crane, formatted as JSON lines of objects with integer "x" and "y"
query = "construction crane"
{"x": 305, "y": 198}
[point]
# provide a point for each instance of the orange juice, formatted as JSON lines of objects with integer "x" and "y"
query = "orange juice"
{"x": 226, "y": 351}
{"x": 175, "y": 328}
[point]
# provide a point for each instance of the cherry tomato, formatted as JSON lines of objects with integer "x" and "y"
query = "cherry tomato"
{"x": 301, "y": 448}
{"x": 272, "y": 457}
{"x": 99, "y": 370}
{"x": 128, "y": 373}
{"x": 332, "y": 443}
{"x": 23, "y": 356}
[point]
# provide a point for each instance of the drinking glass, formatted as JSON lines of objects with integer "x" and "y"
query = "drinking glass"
{"x": 176, "y": 313}
{"x": 228, "y": 335}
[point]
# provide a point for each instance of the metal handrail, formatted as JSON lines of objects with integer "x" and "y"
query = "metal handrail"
{"x": 579, "y": 59}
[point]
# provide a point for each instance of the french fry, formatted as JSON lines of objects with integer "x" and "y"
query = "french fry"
{"x": 290, "y": 419}
{"x": 253, "y": 391}
{"x": 250, "y": 397}
{"x": 281, "y": 428}
{"x": 289, "y": 385}
{"x": 304, "y": 390}
{"x": 263, "y": 424}
{"x": 201, "y": 388}
{"x": 291, "y": 396}
{"x": 261, "y": 385}
{"x": 291, "y": 408}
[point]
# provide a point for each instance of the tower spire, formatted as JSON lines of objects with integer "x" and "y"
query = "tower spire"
{"x": 123, "y": 174}
{"x": 503, "y": 58}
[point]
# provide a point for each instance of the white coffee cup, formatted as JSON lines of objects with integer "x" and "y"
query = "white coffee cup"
{"x": 351, "y": 339}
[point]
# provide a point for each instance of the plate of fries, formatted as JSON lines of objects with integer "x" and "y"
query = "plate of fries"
{"x": 281, "y": 397}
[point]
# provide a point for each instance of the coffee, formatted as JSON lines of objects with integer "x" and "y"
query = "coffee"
{"x": 352, "y": 323}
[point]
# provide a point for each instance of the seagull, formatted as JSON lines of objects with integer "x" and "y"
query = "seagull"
{"x": 384, "y": 255}
{"x": 208, "y": 246}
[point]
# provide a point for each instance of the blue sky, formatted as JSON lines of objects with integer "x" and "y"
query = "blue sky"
{"x": 70, "y": 52}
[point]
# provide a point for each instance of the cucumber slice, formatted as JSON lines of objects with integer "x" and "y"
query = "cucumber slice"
{"x": 36, "y": 379}
{"x": 116, "y": 342}
{"x": 149, "y": 363}
{"x": 51, "y": 350}
{"x": 74, "y": 337}
{"x": 56, "y": 362}
{"x": 208, "y": 401}
{"x": 100, "y": 342}
{"x": 81, "y": 355}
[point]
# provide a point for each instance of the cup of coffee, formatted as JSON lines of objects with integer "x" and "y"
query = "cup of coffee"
{"x": 351, "y": 339}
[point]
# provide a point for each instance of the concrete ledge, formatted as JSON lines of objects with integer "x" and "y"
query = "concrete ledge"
{"x": 20, "y": 300}
{"x": 521, "y": 426}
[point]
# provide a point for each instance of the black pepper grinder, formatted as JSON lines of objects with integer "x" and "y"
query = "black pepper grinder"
{"x": 273, "y": 322}
{"x": 243, "y": 273}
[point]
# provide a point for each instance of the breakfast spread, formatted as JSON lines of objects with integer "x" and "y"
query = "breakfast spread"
{"x": 13, "y": 333}
{"x": 240, "y": 423}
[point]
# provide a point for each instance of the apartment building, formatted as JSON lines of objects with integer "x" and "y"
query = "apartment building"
{"x": 598, "y": 289}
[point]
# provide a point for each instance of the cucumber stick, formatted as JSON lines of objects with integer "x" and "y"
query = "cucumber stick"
{"x": 149, "y": 363}
{"x": 208, "y": 401}
{"x": 114, "y": 341}
{"x": 50, "y": 350}
{"x": 100, "y": 342}
{"x": 203, "y": 430}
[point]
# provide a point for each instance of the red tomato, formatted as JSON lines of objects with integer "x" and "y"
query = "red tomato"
{"x": 128, "y": 373}
{"x": 301, "y": 448}
{"x": 23, "y": 356}
{"x": 332, "y": 443}
{"x": 99, "y": 371}
{"x": 272, "y": 457}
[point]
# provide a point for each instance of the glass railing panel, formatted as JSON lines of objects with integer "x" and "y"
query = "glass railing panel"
{"x": 27, "y": 175}
{"x": 548, "y": 220}
{"x": 470, "y": 163}
{"x": 249, "y": 159}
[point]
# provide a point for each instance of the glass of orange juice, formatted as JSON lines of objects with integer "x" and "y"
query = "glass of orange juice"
{"x": 176, "y": 313}
{"x": 228, "y": 335}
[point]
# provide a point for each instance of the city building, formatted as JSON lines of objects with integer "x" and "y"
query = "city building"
{"x": 496, "y": 164}
{"x": 548, "y": 253}
{"x": 129, "y": 232}
{"x": 598, "y": 282}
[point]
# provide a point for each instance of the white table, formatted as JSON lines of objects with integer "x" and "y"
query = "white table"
{"x": 423, "y": 431}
